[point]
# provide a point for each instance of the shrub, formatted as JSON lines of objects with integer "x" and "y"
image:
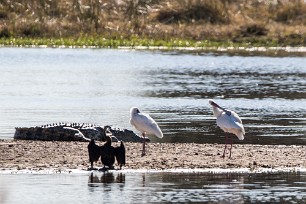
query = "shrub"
{"x": 29, "y": 29}
{"x": 208, "y": 11}
{"x": 290, "y": 13}
{"x": 3, "y": 14}
{"x": 5, "y": 33}
{"x": 253, "y": 30}
{"x": 293, "y": 39}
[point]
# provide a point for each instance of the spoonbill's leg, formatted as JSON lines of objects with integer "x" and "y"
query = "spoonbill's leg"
{"x": 231, "y": 146}
{"x": 143, "y": 145}
{"x": 226, "y": 141}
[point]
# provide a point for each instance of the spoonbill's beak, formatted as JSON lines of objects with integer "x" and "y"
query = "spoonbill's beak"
{"x": 211, "y": 102}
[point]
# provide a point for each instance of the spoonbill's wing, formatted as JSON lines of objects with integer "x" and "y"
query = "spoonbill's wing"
{"x": 231, "y": 124}
{"x": 237, "y": 120}
{"x": 133, "y": 123}
{"x": 144, "y": 123}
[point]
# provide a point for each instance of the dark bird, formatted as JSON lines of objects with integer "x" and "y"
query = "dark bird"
{"x": 94, "y": 152}
{"x": 107, "y": 152}
{"x": 120, "y": 154}
{"x": 110, "y": 153}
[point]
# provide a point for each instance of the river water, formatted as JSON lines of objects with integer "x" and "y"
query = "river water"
{"x": 137, "y": 187}
{"x": 39, "y": 86}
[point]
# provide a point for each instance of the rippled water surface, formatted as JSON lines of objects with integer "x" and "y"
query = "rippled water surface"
{"x": 41, "y": 86}
{"x": 154, "y": 187}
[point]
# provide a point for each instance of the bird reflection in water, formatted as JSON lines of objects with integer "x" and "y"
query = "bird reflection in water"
{"x": 107, "y": 177}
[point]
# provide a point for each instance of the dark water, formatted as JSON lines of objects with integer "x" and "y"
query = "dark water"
{"x": 41, "y": 86}
{"x": 154, "y": 187}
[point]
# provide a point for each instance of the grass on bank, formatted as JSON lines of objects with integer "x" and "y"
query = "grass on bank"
{"x": 101, "y": 42}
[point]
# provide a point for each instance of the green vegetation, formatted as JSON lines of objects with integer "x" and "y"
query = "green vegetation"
{"x": 169, "y": 23}
{"x": 127, "y": 42}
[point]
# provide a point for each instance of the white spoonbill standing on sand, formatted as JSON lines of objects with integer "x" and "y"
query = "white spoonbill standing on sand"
{"x": 229, "y": 122}
{"x": 145, "y": 124}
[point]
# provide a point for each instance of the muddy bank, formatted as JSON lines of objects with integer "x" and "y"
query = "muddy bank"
{"x": 42, "y": 155}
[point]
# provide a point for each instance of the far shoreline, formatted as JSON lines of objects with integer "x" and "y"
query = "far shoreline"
{"x": 173, "y": 44}
{"x": 230, "y": 51}
{"x": 286, "y": 51}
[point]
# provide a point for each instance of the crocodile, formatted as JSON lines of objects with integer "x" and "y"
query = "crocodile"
{"x": 75, "y": 132}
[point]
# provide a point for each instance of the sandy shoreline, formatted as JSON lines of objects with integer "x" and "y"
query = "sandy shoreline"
{"x": 18, "y": 155}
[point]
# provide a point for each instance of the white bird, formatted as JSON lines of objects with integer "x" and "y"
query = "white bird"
{"x": 229, "y": 122}
{"x": 145, "y": 124}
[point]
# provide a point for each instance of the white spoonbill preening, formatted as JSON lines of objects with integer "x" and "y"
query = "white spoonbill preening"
{"x": 145, "y": 124}
{"x": 229, "y": 122}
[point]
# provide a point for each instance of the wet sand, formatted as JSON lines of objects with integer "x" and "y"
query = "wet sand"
{"x": 62, "y": 156}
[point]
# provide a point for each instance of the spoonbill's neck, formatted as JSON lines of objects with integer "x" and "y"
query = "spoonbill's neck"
{"x": 217, "y": 111}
